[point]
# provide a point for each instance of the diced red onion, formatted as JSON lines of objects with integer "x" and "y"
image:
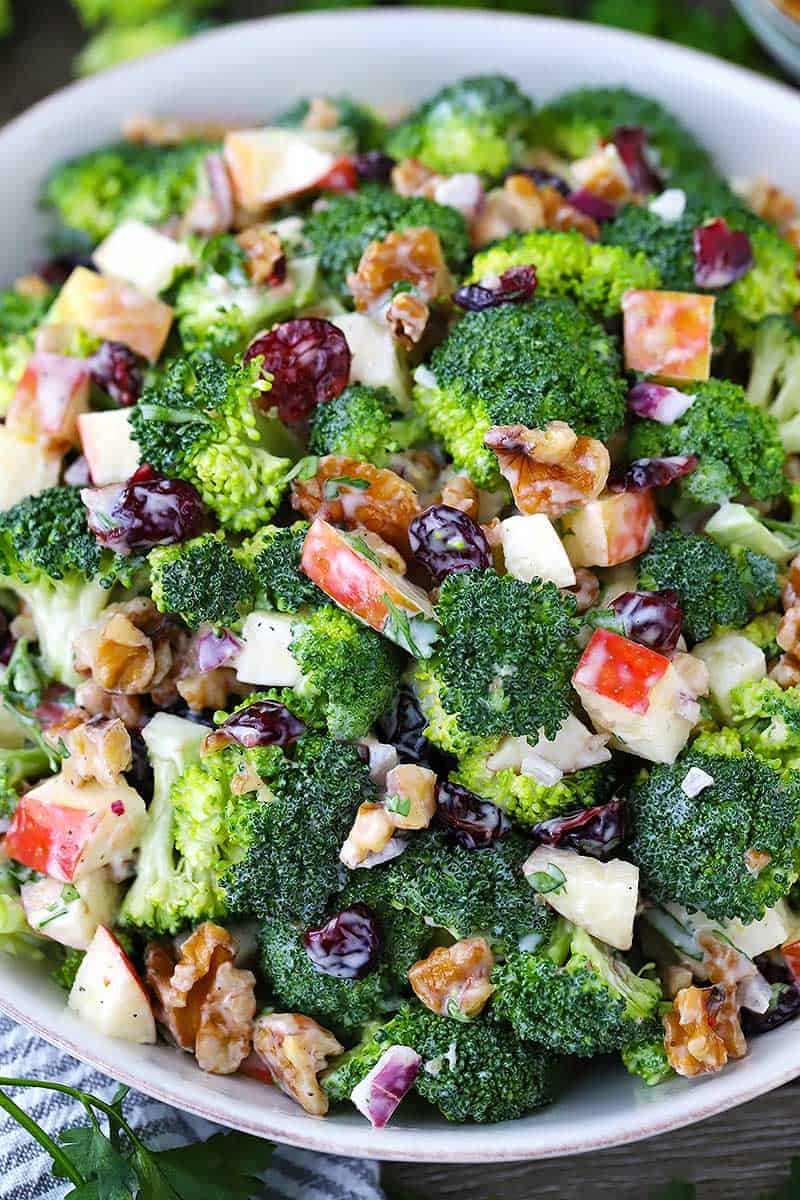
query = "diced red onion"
{"x": 658, "y": 402}
{"x": 77, "y": 473}
{"x": 653, "y": 619}
{"x": 721, "y": 254}
{"x": 214, "y": 648}
{"x": 593, "y": 206}
{"x": 645, "y": 473}
{"x": 381, "y": 1090}
{"x": 754, "y": 993}
{"x": 634, "y": 150}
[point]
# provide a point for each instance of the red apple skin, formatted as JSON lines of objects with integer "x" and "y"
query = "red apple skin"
{"x": 618, "y": 669}
{"x": 668, "y": 334}
{"x": 630, "y": 523}
{"x": 51, "y": 394}
{"x": 791, "y": 956}
{"x": 50, "y": 838}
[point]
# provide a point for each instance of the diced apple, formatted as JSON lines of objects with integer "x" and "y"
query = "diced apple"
{"x": 265, "y": 659}
{"x": 26, "y": 468}
{"x": 139, "y": 254}
{"x": 270, "y": 165}
{"x": 731, "y": 659}
{"x": 668, "y": 334}
{"x": 363, "y": 586}
{"x": 67, "y": 832}
{"x": 114, "y": 311}
{"x": 533, "y": 550}
{"x": 601, "y": 897}
{"x": 376, "y": 359}
{"x": 51, "y": 393}
{"x": 109, "y": 995}
{"x": 108, "y": 446}
{"x": 636, "y": 695}
{"x": 70, "y": 913}
{"x": 610, "y": 530}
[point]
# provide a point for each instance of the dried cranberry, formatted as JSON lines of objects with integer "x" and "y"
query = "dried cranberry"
{"x": 6, "y": 641}
{"x": 646, "y": 473}
{"x": 404, "y": 728}
{"x": 652, "y": 619}
{"x": 632, "y": 147}
{"x": 309, "y": 361}
{"x": 147, "y": 511}
{"x": 658, "y": 402}
{"x": 786, "y": 1002}
{"x": 596, "y": 831}
{"x": 446, "y": 540}
{"x": 263, "y": 723}
{"x": 57, "y": 270}
{"x": 721, "y": 254}
{"x": 515, "y": 284}
{"x": 347, "y": 946}
{"x": 375, "y": 166}
{"x": 592, "y": 205}
{"x": 181, "y": 709}
{"x": 469, "y": 820}
{"x": 140, "y": 774}
{"x": 119, "y": 372}
{"x": 542, "y": 178}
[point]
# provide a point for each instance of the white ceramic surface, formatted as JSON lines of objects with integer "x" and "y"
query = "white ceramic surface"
{"x": 249, "y": 70}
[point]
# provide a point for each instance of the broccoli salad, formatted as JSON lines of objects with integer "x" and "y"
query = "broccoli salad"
{"x": 400, "y": 598}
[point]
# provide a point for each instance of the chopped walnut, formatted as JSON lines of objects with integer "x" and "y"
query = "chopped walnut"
{"x": 693, "y": 673}
{"x": 756, "y": 860}
{"x": 522, "y": 205}
{"x": 454, "y": 980}
{"x": 97, "y": 702}
{"x": 411, "y": 796}
{"x": 701, "y": 1030}
{"x": 321, "y": 114}
{"x": 209, "y": 689}
{"x": 786, "y": 672}
{"x": 412, "y": 256}
{"x": 386, "y": 506}
{"x": 788, "y": 635}
{"x": 204, "y": 1003}
{"x": 790, "y": 594}
{"x": 372, "y": 831}
{"x": 264, "y": 256}
{"x": 412, "y": 178}
{"x": 99, "y": 748}
{"x": 549, "y": 470}
{"x": 769, "y": 201}
{"x": 407, "y": 317}
{"x": 419, "y": 468}
{"x": 151, "y": 130}
{"x": 131, "y": 649}
{"x": 604, "y": 174}
{"x": 296, "y": 1049}
{"x": 460, "y": 492}
{"x": 585, "y": 589}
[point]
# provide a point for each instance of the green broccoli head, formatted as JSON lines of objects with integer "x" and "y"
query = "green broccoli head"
{"x": 482, "y": 124}
{"x": 766, "y": 718}
{"x": 129, "y": 12}
{"x": 273, "y": 555}
{"x": 770, "y": 287}
{"x": 94, "y": 193}
{"x": 519, "y": 364}
{"x": 595, "y": 275}
{"x": 576, "y": 122}
{"x": 291, "y": 864}
{"x": 715, "y": 587}
{"x": 19, "y": 313}
{"x": 353, "y": 671}
{"x": 340, "y": 231}
{"x": 220, "y": 309}
{"x": 19, "y": 767}
{"x": 361, "y": 423}
{"x": 361, "y": 121}
{"x": 737, "y": 444}
{"x": 506, "y": 653}
{"x": 731, "y": 850}
{"x": 201, "y": 420}
{"x": 405, "y": 936}
{"x": 65, "y": 970}
{"x": 119, "y": 43}
{"x": 575, "y": 996}
{"x": 201, "y": 581}
{"x": 647, "y": 1058}
{"x": 775, "y": 376}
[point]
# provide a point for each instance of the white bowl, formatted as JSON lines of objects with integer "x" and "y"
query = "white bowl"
{"x": 249, "y": 71}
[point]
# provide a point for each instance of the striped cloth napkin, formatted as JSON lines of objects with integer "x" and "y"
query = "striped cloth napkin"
{"x": 25, "y": 1168}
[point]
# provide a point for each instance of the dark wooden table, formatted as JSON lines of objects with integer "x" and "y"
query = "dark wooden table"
{"x": 732, "y": 1157}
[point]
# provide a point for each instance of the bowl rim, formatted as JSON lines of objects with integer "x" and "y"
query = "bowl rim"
{"x": 698, "y": 1099}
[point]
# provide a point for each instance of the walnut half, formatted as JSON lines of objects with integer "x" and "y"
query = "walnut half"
{"x": 296, "y": 1049}
{"x": 454, "y": 980}
{"x": 549, "y": 470}
{"x": 702, "y": 1030}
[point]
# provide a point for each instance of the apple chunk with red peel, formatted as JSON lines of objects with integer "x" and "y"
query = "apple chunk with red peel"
{"x": 668, "y": 334}
{"x": 636, "y": 695}
{"x": 109, "y": 995}
{"x": 114, "y": 311}
{"x": 109, "y": 449}
{"x": 270, "y": 165}
{"x": 67, "y": 832}
{"x": 51, "y": 394}
{"x": 610, "y": 530}
{"x": 69, "y": 913}
{"x": 26, "y": 468}
{"x": 360, "y": 583}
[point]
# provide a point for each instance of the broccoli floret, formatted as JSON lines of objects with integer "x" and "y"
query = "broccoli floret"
{"x": 405, "y": 936}
{"x": 119, "y": 43}
{"x": 732, "y": 850}
{"x": 443, "y": 728}
{"x": 130, "y": 12}
{"x": 766, "y": 718}
{"x": 94, "y": 193}
{"x": 6, "y": 18}
{"x": 481, "y": 124}
{"x": 468, "y": 892}
{"x": 51, "y": 560}
{"x": 506, "y": 653}
{"x": 361, "y": 121}
{"x": 201, "y": 580}
{"x": 220, "y": 309}
{"x": 291, "y": 865}
{"x": 576, "y": 122}
{"x": 737, "y": 444}
{"x": 770, "y": 287}
{"x": 647, "y": 1058}
{"x": 714, "y": 588}
{"x": 201, "y": 421}
{"x": 273, "y": 556}
{"x": 575, "y": 996}
{"x": 361, "y": 423}
{"x": 340, "y": 231}
{"x": 65, "y": 970}
{"x": 473, "y": 1071}
{"x": 568, "y": 265}
{"x": 519, "y": 364}
{"x": 352, "y": 670}
{"x": 18, "y": 767}
{"x": 775, "y": 376}
{"x": 667, "y": 245}
{"x": 19, "y": 312}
